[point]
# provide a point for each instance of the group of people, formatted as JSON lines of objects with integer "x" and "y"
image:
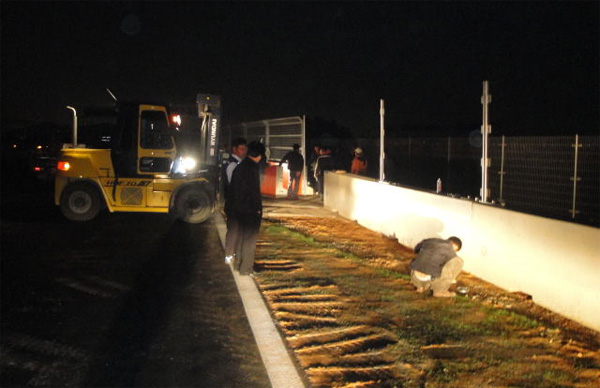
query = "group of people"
{"x": 323, "y": 160}
{"x": 434, "y": 269}
{"x": 436, "y": 265}
{"x": 243, "y": 204}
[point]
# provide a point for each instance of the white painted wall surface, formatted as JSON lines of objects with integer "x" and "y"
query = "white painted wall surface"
{"x": 556, "y": 262}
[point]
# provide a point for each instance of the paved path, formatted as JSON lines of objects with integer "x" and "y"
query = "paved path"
{"x": 280, "y": 367}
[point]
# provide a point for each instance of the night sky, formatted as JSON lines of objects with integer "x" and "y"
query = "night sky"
{"x": 334, "y": 60}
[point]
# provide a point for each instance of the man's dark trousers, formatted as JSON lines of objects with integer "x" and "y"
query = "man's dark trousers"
{"x": 249, "y": 228}
{"x": 232, "y": 236}
{"x": 294, "y": 183}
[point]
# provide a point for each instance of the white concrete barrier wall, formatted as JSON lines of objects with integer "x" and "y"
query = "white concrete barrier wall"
{"x": 556, "y": 262}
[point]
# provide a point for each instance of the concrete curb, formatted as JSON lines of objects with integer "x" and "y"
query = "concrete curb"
{"x": 280, "y": 367}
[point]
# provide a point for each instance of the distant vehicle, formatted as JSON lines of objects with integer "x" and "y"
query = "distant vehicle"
{"x": 34, "y": 149}
{"x": 128, "y": 161}
{"x": 44, "y": 155}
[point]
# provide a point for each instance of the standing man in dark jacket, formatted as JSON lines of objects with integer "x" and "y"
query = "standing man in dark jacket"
{"x": 246, "y": 207}
{"x": 436, "y": 265}
{"x": 239, "y": 148}
{"x": 324, "y": 163}
{"x": 295, "y": 162}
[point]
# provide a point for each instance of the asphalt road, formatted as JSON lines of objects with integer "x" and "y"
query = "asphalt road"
{"x": 136, "y": 300}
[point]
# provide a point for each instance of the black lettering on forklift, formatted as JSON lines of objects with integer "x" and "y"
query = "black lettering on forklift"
{"x": 141, "y": 183}
{"x": 127, "y": 183}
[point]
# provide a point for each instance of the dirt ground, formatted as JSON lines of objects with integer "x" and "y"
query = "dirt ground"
{"x": 342, "y": 297}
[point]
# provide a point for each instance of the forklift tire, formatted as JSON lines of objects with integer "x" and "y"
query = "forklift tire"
{"x": 80, "y": 202}
{"x": 193, "y": 206}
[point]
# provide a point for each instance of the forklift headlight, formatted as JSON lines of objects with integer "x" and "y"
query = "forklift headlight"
{"x": 184, "y": 165}
{"x": 189, "y": 163}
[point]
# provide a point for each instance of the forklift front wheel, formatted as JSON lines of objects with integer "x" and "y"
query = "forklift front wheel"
{"x": 80, "y": 202}
{"x": 193, "y": 206}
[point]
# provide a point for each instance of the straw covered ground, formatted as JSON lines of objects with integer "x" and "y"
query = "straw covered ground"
{"x": 342, "y": 298}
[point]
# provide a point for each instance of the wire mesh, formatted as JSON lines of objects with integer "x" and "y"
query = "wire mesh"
{"x": 537, "y": 174}
{"x": 531, "y": 174}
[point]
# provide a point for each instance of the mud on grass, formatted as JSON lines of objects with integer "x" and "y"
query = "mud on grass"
{"x": 342, "y": 298}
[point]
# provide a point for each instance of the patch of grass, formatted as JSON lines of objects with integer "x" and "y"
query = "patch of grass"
{"x": 501, "y": 319}
{"x": 388, "y": 273}
{"x": 281, "y": 230}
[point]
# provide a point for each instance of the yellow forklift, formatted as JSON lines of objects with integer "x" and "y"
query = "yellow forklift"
{"x": 128, "y": 161}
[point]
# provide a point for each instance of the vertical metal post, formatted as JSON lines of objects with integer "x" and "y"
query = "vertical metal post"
{"x": 501, "y": 199}
{"x": 74, "y": 125}
{"x": 448, "y": 163}
{"x": 305, "y": 151}
{"x": 486, "y": 129}
{"x": 381, "y": 141}
{"x": 575, "y": 178}
{"x": 267, "y": 142}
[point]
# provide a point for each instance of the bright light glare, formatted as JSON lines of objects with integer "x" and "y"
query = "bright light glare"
{"x": 39, "y": 147}
{"x": 189, "y": 163}
{"x": 185, "y": 164}
{"x": 63, "y": 166}
{"x": 176, "y": 119}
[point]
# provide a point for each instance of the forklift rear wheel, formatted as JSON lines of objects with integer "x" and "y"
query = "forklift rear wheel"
{"x": 193, "y": 206}
{"x": 80, "y": 202}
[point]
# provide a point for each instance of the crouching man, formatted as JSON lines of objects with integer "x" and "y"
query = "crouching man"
{"x": 436, "y": 265}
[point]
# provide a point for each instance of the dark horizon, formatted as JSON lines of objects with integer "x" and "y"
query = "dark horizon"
{"x": 427, "y": 60}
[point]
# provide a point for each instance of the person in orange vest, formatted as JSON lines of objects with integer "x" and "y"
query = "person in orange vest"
{"x": 359, "y": 163}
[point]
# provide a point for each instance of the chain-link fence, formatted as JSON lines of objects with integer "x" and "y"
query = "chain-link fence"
{"x": 555, "y": 176}
{"x": 542, "y": 175}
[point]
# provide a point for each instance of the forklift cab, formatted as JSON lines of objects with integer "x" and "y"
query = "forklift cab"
{"x": 138, "y": 135}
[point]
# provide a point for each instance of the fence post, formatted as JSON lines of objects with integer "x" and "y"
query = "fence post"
{"x": 486, "y": 129}
{"x": 448, "y": 163}
{"x": 267, "y": 141}
{"x": 382, "y": 141}
{"x": 575, "y": 178}
{"x": 501, "y": 199}
{"x": 304, "y": 178}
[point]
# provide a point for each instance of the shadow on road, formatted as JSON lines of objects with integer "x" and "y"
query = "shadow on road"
{"x": 146, "y": 309}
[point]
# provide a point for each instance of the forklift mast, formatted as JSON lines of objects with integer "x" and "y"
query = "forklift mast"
{"x": 209, "y": 113}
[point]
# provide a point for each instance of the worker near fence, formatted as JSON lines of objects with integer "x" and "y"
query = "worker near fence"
{"x": 324, "y": 163}
{"x": 246, "y": 207}
{"x": 436, "y": 266}
{"x": 359, "y": 163}
{"x": 295, "y": 163}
